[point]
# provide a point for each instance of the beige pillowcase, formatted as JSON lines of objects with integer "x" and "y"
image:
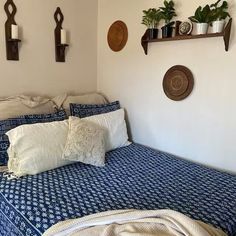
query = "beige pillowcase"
{"x": 64, "y": 100}
{"x": 24, "y": 105}
{"x": 37, "y": 148}
{"x": 85, "y": 142}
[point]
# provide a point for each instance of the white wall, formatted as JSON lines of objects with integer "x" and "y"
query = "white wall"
{"x": 37, "y": 72}
{"x": 202, "y": 127}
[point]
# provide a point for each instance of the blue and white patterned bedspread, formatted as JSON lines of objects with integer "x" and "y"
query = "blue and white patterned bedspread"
{"x": 134, "y": 177}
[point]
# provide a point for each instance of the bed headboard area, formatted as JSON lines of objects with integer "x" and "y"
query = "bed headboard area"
{"x": 11, "y": 107}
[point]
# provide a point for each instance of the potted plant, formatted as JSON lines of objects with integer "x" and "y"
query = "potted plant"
{"x": 167, "y": 13}
{"x": 151, "y": 19}
{"x": 202, "y": 18}
{"x": 218, "y": 14}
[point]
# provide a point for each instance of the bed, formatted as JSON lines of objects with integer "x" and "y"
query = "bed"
{"x": 134, "y": 177}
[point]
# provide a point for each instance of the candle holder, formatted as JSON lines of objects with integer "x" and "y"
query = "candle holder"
{"x": 12, "y": 47}
{"x": 60, "y": 48}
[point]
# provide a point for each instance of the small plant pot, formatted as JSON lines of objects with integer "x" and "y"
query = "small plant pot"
{"x": 153, "y": 33}
{"x": 201, "y": 28}
{"x": 218, "y": 26}
{"x": 167, "y": 31}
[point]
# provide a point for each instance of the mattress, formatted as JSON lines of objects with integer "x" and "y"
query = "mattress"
{"x": 134, "y": 177}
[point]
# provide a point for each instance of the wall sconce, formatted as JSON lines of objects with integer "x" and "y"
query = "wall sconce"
{"x": 60, "y": 36}
{"x": 11, "y": 32}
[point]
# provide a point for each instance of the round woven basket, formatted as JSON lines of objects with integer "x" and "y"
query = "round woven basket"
{"x": 117, "y": 36}
{"x": 178, "y": 83}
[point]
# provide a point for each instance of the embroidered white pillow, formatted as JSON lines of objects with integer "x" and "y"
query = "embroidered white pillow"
{"x": 37, "y": 148}
{"x": 115, "y": 126}
{"x": 85, "y": 142}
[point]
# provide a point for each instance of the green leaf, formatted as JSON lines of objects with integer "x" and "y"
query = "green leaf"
{"x": 215, "y": 4}
{"x": 166, "y": 3}
{"x": 198, "y": 16}
{"x": 167, "y": 12}
{"x": 151, "y": 17}
{"x": 224, "y": 5}
{"x": 193, "y": 19}
{"x": 205, "y": 14}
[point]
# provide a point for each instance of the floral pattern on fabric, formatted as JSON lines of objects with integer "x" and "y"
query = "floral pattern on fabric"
{"x": 85, "y": 142}
{"x": 81, "y": 110}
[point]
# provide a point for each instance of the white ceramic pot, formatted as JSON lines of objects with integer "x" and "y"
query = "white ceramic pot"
{"x": 218, "y": 26}
{"x": 202, "y": 28}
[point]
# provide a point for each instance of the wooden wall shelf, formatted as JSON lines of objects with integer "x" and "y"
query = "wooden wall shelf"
{"x": 225, "y": 34}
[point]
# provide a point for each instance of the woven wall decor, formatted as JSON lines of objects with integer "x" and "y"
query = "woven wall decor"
{"x": 117, "y": 36}
{"x": 178, "y": 83}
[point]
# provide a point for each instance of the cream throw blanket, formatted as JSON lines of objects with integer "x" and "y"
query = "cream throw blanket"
{"x": 133, "y": 223}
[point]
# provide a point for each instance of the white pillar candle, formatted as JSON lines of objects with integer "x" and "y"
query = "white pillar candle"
{"x": 14, "y": 32}
{"x": 63, "y": 36}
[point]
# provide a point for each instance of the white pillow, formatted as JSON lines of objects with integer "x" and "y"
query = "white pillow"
{"x": 114, "y": 124}
{"x": 37, "y": 148}
{"x": 85, "y": 142}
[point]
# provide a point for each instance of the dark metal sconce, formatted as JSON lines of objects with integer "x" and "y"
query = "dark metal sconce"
{"x": 12, "y": 47}
{"x": 60, "y": 43}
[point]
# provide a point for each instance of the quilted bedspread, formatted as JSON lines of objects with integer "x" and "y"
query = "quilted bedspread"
{"x": 135, "y": 177}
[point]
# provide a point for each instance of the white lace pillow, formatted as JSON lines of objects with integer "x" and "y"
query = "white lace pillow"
{"x": 85, "y": 142}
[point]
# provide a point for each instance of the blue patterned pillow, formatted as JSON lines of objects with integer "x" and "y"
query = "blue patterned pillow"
{"x": 82, "y": 111}
{"x": 6, "y": 125}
